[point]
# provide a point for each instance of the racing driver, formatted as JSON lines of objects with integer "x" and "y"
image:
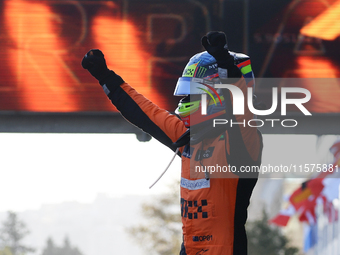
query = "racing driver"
{"x": 213, "y": 205}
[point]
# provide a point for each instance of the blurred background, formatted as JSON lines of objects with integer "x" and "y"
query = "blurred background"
{"x": 75, "y": 175}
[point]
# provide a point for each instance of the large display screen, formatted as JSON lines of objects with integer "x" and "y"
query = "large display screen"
{"x": 299, "y": 39}
{"x": 149, "y": 43}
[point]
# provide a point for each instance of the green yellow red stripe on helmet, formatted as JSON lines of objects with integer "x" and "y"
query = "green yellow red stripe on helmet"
{"x": 245, "y": 67}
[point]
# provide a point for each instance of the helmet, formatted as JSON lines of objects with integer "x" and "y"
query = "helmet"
{"x": 197, "y": 82}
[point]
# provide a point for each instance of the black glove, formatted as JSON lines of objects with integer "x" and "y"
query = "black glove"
{"x": 215, "y": 44}
{"x": 95, "y": 63}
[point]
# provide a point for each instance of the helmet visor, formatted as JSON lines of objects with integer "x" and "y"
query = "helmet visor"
{"x": 193, "y": 86}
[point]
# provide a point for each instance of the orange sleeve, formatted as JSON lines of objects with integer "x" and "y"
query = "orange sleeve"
{"x": 141, "y": 112}
{"x": 170, "y": 124}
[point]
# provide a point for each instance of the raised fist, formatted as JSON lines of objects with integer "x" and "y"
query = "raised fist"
{"x": 95, "y": 63}
{"x": 216, "y": 45}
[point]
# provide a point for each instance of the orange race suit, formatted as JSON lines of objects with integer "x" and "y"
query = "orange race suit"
{"x": 214, "y": 211}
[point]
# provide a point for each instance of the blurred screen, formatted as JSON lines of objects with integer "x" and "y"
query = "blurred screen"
{"x": 43, "y": 43}
{"x": 149, "y": 42}
{"x": 298, "y": 39}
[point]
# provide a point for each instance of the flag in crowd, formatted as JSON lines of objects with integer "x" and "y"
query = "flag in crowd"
{"x": 322, "y": 189}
